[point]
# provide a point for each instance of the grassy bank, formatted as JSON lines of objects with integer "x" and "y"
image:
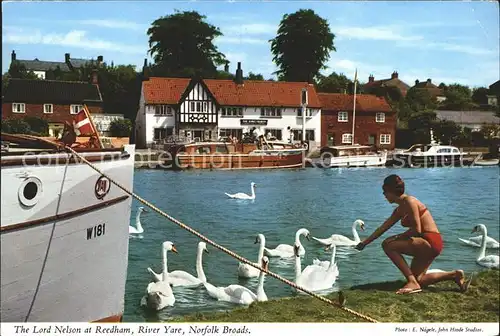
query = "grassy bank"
{"x": 439, "y": 303}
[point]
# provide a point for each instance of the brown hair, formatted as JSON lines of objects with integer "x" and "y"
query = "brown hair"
{"x": 394, "y": 184}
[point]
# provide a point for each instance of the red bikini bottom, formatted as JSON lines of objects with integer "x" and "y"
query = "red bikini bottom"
{"x": 435, "y": 240}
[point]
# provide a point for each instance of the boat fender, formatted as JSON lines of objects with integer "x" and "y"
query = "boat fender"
{"x": 305, "y": 145}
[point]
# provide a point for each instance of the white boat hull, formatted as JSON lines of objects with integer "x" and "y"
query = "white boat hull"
{"x": 65, "y": 258}
{"x": 355, "y": 161}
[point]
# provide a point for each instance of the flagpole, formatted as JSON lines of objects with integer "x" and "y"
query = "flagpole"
{"x": 87, "y": 112}
{"x": 354, "y": 106}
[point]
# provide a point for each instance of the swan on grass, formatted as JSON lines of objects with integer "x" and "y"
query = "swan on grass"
{"x": 243, "y": 195}
{"x": 182, "y": 278}
{"x": 138, "y": 227}
{"x": 316, "y": 277}
{"x": 287, "y": 251}
{"x": 159, "y": 294}
{"x": 240, "y": 294}
{"x": 247, "y": 271}
{"x": 340, "y": 240}
{"x": 489, "y": 261}
{"x": 476, "y": 242}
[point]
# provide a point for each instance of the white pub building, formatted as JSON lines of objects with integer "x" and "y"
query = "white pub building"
{"x": 209, "y": 109}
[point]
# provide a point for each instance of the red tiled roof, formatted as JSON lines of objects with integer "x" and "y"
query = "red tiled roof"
{"x": 164, "y": 90}
{"x": 227, "y": 92}
{"x": 344, "y": 102}
{"x": 262, "y": 93}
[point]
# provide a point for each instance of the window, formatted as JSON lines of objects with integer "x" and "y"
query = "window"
{"x": 385, "y": 139}
{"x": 205, "y": 106}
{"x": 343, "y": 117}
{"x": 231, "y": 111}
{"x": 164, "y": 110}
{"x": 198, "y": 106}
{"x": 48, "y": 108}
{"x": 75, "y": 109}
{"x": 380, "y": 117}
{"x": 234, "y": 132}
{"x": 297, "y": 135}
{"x": 160, "y": 134}
{"x": 347, "y": 138}
{"x": 192, "y": 106}
{"x": 308, "y": 112}
{"x": 444, "y": 150}
{"x": 18, "y": 108}
{"x": 270, "y": 112}
{"x": 277, "y": 133}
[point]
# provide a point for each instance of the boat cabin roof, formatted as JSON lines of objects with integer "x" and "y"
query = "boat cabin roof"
{"x": 428, "y": 148}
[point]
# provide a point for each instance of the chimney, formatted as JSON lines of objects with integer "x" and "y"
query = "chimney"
{"x": 226, "y": 67}
{"x": 394, "y": 75}
{"x": 238, "y": 79}
{"x": 94, "y": 77}
{"x": 428, "y": 80}
{"x": 100, "y": 59}
{"x": 13, "y": 56}
{"x": 417, "y": 82}
{"x": 145, "y": 70}
{"x": 66, "y": 57}
{"x": 371, "y": 79}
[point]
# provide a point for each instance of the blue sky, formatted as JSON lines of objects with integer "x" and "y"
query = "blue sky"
{"x": 445, "y": 41}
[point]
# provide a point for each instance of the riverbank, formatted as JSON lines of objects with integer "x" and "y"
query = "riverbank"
{"x": 439, "y": 303}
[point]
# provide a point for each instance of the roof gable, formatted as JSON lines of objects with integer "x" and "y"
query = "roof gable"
{"x": 50, "y": 91}
{"x": 345, "y": 102}
{"x": 160, "y": 90}
{"x": 37, "y": 65}
{"x": 192, "y": 84}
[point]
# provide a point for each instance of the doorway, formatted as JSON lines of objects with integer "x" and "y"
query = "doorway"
{"x": 371, "y": 139}
{"x": 331, "y": 139}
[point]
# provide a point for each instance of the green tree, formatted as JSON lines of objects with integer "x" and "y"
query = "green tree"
{"x": 15, "y": 126}
{"x": 490, "y": 131}
{"x": 333, "y": 83}
{"x": 38, "y": 126}
{"x": 447, "y": 131}
{"x": 17, "y": 70}
{"x": 252, "y": 76}
{"x": 417, "y": 101}
{"x": 182, "y": 46}
{"x": 120, "y": 128}
{"x": 421, "y": 124}
{"x": 480, "y": 96}
{"x": 458, "y": 97}
{"x": 302, "y": 46}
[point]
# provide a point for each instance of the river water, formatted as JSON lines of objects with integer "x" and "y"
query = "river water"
{"x": 325, "y": 201}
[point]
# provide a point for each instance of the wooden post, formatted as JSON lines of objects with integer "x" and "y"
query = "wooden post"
{"x": 87, "y": 112}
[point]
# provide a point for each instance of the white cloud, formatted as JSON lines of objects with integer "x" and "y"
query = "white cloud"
{"x": 240, "y": 40}
{"x": 74, "y": 38}
{"x": 110, "y": 23}
{"x": 251, "y": 29}
{"x": 466, "y": 49}
{"x": 373, "y": 33}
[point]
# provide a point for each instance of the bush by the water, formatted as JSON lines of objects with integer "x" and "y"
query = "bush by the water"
{"x": 26, "y": 125}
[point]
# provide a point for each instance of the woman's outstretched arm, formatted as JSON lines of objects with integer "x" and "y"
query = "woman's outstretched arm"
{"x": 384, "y": 227}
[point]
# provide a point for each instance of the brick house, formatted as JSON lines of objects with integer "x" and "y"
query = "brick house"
{"x": 207, "y": 109}
{"x": 54, "y": 101}
{"x": 434, "y": 91}
{"x": 394, "y": 81}
{"x": 40, "y": 68}
{"x": 375, "y": 122}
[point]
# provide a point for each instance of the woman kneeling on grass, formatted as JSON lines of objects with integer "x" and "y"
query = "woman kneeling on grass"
{"x": 422, "y": 240}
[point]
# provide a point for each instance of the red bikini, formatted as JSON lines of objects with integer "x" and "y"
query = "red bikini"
{"x": 434, "y": 238}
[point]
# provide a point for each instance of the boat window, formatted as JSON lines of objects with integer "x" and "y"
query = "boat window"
{"x": 221, "y": 149}
{"x": 455, "y": 150}
{"x": 444, "y": 150}
{"x": 204, "y": 150}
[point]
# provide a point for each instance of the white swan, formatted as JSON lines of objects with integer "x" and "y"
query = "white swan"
{"x": 287, "y": 251}
{"x": 489, "y": 261}
{"x": 315, "y": 277}
{"x": 340, "y": 240}
{"x": 243, "y": 195}
{"x": 159, "y": 294}
{"x": 138, "y": 227}
{"x": 326, "y": 263}
{"x": 239, "y": 294}
{"x": 182, "y": 278}
{"x": 247, "y": 271}
{"x": 476, "y": 242}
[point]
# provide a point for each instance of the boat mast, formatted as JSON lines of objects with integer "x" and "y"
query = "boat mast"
{"x": 354, "y": 106}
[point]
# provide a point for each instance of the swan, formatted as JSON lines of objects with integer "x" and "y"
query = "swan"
{"x": 239, "y": 294}
{"x": 489, "y": 261}
{"x": 285, "y": 250}
{"x": 325, "y": 263}
{"x": 340, "y": 240}
{"x": 243, "y": 195}
{"x": 247, "y": 271}
{"x": 159, "y": 294}
{"x": 476, "y": 242}
{"x": 138, "y": 227}
{"x": 182, "y": 278}
{"x": 315, "y": 277}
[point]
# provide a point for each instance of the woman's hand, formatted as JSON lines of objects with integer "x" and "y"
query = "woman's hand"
{"x": 360, "y": 246}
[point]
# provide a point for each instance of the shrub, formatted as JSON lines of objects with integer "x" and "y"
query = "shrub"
{"x": 16, "y": 126}
{"x": 120, "y": 128}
